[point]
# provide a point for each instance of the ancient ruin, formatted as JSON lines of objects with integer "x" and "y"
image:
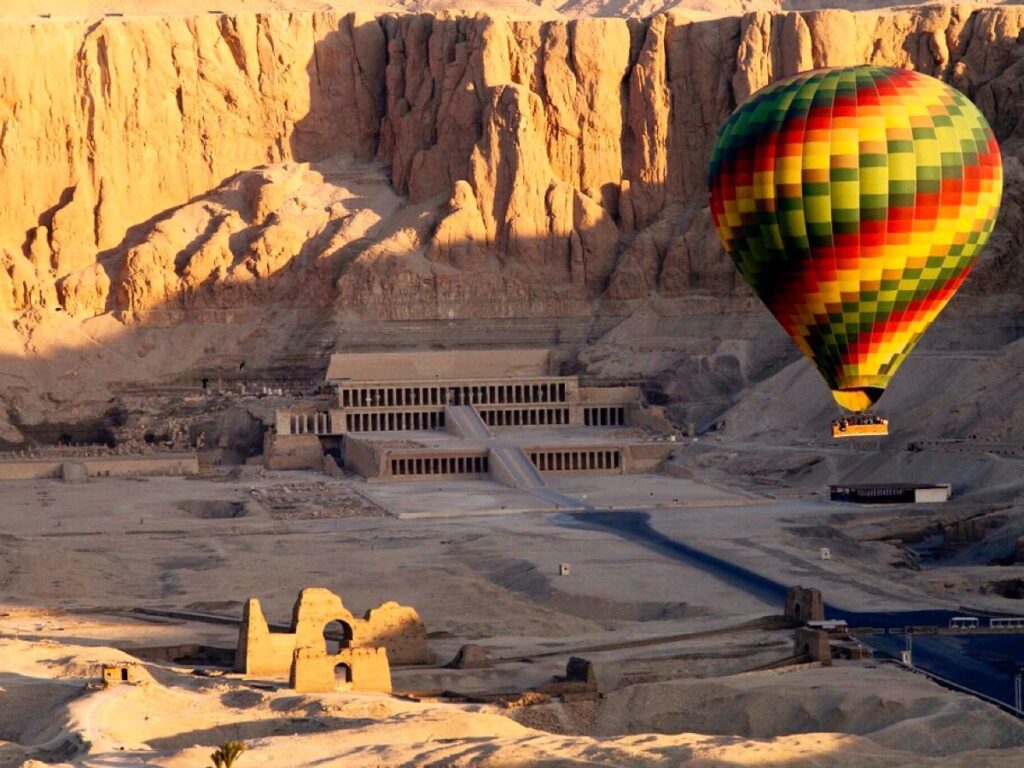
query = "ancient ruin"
{"x": 71, "y": 466}
{"x": 325, "y": 634}
{"x": 804, "y": 604}
{"x": 813, "y": 645}
{"x": 125, "y": 672}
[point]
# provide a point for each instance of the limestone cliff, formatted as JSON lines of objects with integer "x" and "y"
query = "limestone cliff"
{"x": 155, "y": 167}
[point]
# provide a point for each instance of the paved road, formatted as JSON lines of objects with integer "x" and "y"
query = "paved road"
{"x": 985, "y": 664}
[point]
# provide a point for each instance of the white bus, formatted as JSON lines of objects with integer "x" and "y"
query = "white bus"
{"x": 829, "y": 625}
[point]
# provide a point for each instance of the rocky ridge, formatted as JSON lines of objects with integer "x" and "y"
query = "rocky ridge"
{"x": 158, "y": 166}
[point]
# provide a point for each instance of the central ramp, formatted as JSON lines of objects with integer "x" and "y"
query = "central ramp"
{"x": 512, "y": 467}
{"x": 464, "y": 421}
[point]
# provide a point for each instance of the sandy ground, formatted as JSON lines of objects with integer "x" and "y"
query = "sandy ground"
{"x": 482, "y": 497}
{"x": 649, "y": 492}
{"x": 54, "y": 711}
{"x": 162, "y": 542}
{"x": 127, "y": 543}
{"x": 668, "y": 640}
{"x": 453, "y": 499}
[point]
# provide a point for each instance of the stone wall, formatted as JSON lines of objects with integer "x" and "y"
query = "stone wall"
{"x": 101, "y": 466}
{"x": 363, "y": 456}
{"x": 261, "y": 652}
{"x": 645, "y": 457}
{"x": 292, "y": 451}
{"x": 314, "y": 671}
{"x": 426, "y": 367}
{"x": 400, "y": 630}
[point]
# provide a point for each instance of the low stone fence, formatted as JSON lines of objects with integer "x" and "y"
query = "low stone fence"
{"x": 75, "y": 467}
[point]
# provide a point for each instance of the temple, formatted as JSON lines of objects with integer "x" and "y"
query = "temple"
{"x": 468, "y": 414}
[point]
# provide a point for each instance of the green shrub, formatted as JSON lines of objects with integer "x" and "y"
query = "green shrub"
{"x": 227, "y": 753}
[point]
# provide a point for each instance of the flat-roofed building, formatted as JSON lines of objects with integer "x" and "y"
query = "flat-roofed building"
{"x": 891, "y": 493}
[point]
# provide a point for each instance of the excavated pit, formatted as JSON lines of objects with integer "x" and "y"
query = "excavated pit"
{"x": 214, "y": 510}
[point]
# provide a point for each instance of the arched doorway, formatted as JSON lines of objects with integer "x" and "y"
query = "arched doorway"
{"x": 337, "y": 635}
{"x": 798, "y": 611}
{"x": 342, "y": 675}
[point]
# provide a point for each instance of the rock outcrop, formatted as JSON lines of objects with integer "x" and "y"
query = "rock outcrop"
{"x": 156, "y": 167}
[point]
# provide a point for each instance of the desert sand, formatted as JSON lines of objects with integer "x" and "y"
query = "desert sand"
{"x": 673, "y": 669}
{"x": 159, "y": 721}
{"x": 173, "y": 711}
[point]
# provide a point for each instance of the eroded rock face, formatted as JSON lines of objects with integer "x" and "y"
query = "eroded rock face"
{"x": 535, "y": 166}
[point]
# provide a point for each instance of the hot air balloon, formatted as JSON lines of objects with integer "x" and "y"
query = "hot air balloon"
{"x": 854, "y": 201}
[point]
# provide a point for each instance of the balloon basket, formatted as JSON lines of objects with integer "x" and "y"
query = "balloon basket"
{"x": 872, "y": 426}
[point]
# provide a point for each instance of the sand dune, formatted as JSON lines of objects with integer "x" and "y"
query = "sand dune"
{"x": 175, "y": 719}
{"x": 849, "y": 699}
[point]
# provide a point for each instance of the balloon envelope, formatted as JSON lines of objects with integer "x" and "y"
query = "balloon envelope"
{"x": 855, "y": 201}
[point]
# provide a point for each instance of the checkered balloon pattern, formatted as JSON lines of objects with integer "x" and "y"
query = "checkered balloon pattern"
{"x": 855, "y": 201}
